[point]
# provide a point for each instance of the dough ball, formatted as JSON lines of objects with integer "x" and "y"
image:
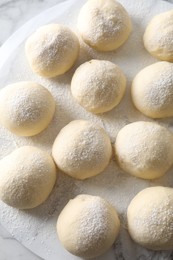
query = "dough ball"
{"x": 152, "y": 90}
{"x": 104, "y": 24}
{"x": 150, "y": 218}
{"x": 158, "y": 37}
{"x": 92, "y": 227}
{"x": 144, "y": 149}
{"x": 82, "y": 149}
{"x": 98, "y": 85}
{"x": 27, "y": 177}
{"x": 52, "y": 50}
{"x": 26, "y": 108}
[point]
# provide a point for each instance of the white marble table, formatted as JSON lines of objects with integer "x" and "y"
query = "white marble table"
{"x": 13, "y": 14}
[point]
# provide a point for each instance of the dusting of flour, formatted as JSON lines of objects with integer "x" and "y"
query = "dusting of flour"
{"x": 36, "y": 228}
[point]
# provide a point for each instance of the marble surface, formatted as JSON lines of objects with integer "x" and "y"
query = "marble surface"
{"x": 13, "y": 14}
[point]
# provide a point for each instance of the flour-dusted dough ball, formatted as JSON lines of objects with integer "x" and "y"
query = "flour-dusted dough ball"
{"x": 82, "y": 149}
{"x": 88, "y": 226}
{"x": 152, "y": 90}
{"x": 26, "y": 108}
{"x": 150, "y": 218}
{"x": 158, "y": 36}
{"x": 104, "y": 24}
{"x": 27, "y": 177}
{"x": 144, "y": 149}
{"x": 52, "y": 50}
{"x": 98, "y": 85}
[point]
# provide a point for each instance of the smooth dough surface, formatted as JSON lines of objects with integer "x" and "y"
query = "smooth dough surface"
{"x": 104, "y": 24}
{"x": 98, "y": 85}
{"x": 152, "y": 90}
{"x": 27, "y": 177}
{"x": 150, "y": 218}
{"x": 26, "y": 108}
{"x": 144, "y": 149}
{"x": 52, "y": 50}
{"x": 92, "y": 227}
{"x": 82, "y": 149}
{"x": 158, "y": 36}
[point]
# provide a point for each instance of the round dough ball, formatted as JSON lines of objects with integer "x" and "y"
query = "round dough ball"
{"x": 26, "y": 108}
{"x": 92, "y": 227}
{"x": 150, "y": 218}
{"x": 52, "y": 50}
{"x": 158, "y": 36}
{"x": 27, "y": 177}
{"x": 98, "y": 85}
{"x": 144, "y": 149}
{"x": 152, "y": 90}
{"x": 82, "y": 149}
{"x": 104, "y": 24}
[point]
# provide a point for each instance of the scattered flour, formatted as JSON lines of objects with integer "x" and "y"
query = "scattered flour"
{"x": 36, "y": 228}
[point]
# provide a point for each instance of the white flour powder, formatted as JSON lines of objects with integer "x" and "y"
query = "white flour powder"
{"x": 36, "y": 228}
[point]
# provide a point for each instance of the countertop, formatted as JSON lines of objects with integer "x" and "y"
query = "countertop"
{"x": 13, "y": 14}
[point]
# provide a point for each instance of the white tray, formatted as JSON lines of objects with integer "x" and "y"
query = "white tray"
{"x": 36, "y": 228}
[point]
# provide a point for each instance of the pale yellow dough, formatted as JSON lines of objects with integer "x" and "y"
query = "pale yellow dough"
{"x": 52, "y": 50}
{"x": 152, "y": 90}
{"x": 158, "y": 36}
{"x": 26, "y": 108}
{"x": 88, "y": 226}
{"x": 98, "y": 85}
{"x": 104, "y": 24}
{"x": 82, "y": 149}
{"x": 144, "y": 149}
{"x": 150, "y": 218}
{"x": 27, "y": 177}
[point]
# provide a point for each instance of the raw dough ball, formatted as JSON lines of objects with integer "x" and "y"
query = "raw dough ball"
{"x": 82, "y": 149}
{"x": 150, "y": 218}
{"x": 52, "y": 50}
{"x": 152, "y": 90}
{"x": 104, "y": 24}
{"x": 144, "y": 149}
{"x": 158, "y": 37}
{"x": 26, "y": 108}
{"x": 27, "y": 177}
{"x": 98, "y": 85}
{"x": 92, "y": 227}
